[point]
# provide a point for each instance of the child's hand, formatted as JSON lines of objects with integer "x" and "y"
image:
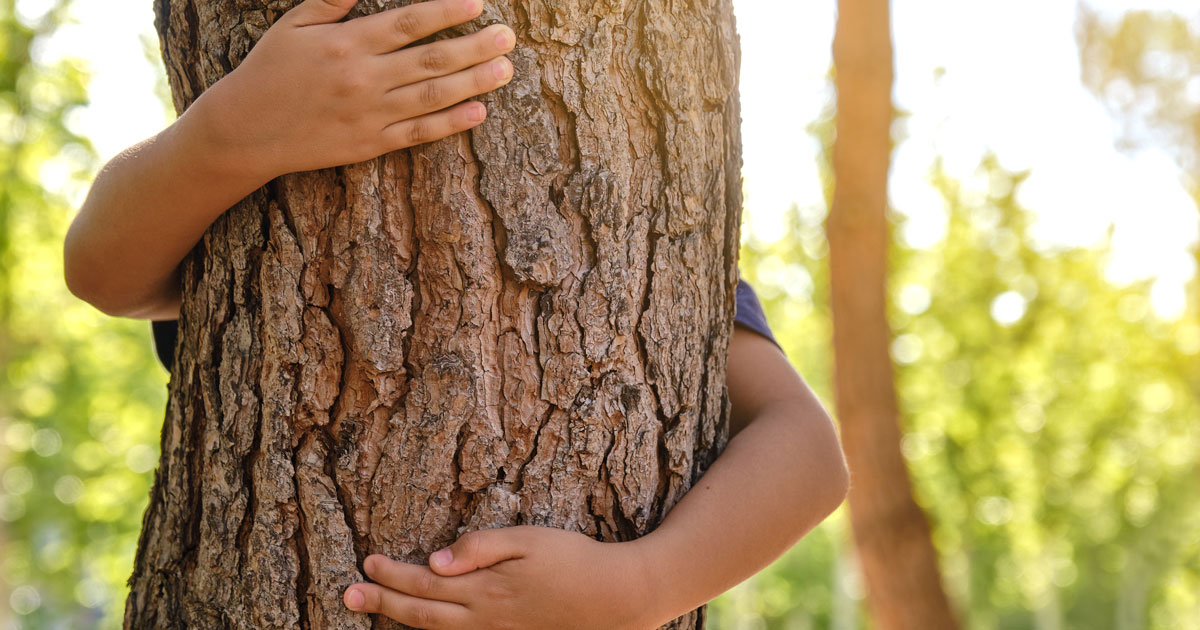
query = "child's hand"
{"x": 315, "y": 92}
{"x": 527, "y": 577}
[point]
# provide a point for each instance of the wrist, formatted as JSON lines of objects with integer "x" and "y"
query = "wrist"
{"x": 650, "y": 571}
{"x": 216, "y": 136}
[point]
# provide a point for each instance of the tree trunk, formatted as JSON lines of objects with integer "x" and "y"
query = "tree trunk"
{"x": 523, "y": 324}
{"x": 899, "y": 563}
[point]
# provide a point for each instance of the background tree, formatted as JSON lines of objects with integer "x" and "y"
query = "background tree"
{"x": 495, "y": 329}
{"x": 899, "y": 563}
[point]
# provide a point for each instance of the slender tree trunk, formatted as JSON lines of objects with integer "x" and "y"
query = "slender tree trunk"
{"x": 525, "y": 324}
{"x": 899, "y": 563}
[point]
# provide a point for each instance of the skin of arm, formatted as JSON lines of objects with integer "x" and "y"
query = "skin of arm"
{"x": 312, "y": 93}
{"x": 780, "y": 475}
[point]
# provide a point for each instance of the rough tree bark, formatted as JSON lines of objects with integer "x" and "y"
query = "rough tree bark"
{"x": 525, "y": 324}
{"x": 895, "y": 551}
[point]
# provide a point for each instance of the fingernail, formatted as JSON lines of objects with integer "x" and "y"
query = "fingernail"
{"x": 501, "y": 69}
{"x": 504, "y": 39}
{"x": 471, "y": 6}
{"x": 355, "y": 600}
{"x": 477, "y": 113}
{"x": 442, "y": 558}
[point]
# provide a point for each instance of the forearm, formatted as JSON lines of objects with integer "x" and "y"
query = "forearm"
{"x": 776, "y": 480}
{"x": 147, "y": 208}
{"x": 316, "y": 91}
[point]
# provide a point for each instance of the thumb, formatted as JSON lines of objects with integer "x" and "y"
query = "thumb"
{"x": 320, "y": 11}
{"x": 476, "y": 550}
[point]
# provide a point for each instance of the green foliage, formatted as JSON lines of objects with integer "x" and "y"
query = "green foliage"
{"x": 1050, "y": 423}
{"x": 1048, "y": 417}
{"x": 1143, "y": 66}
{"x": 81, "y": 398}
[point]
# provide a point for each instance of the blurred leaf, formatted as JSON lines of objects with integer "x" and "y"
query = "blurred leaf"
{"x": 79, "y": 390}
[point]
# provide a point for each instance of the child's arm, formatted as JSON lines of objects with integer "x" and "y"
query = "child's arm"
{"x": 312, "y": 93}
{"x": 780, "y": 475}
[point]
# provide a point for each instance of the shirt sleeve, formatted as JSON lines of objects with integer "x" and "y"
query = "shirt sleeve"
{"x": 749, "y": 312}
{"x": 164, "y": 340}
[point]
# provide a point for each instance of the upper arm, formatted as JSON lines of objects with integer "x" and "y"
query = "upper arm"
{"x": 759, "y": 376}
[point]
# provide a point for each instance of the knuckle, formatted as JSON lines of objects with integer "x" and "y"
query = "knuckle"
{"x": 418, "y": 132}
{"x": 497, "y": 590}
{"x": 471, "y": 543}
{"x": 433, "y": 59}
{"x": 428, "y": 584}
{"x": 349, "y": 84}
{"x": 485, "y": 44}
{"x": 450, "y": 13}
{"x": 422, "y": 615}
{"x": 377, "y": 561}
{"x": 495, "y": 73}
{"x": 484, "y": 78}
{"x": 338, "y": 48}
{"x": 373, "y": 599}
{"x": 431, "y": 94}
{"x": 407, "y": 24}
{"x": 349, "y": 119}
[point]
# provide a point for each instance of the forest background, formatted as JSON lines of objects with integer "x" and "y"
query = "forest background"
{"x": 1044, "y": 305}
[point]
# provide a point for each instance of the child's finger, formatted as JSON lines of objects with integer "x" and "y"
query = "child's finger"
{"x": 434, "y": 94}
{"x": 319, "y": 11}
{"x": 413, "y": 65}
{"x": 485, "y": 548}
{"x": 417, "y": 580}
{"x": 396, "y": 28}
{"x": 411, "y": 611}
{"x": 435, "y": 126}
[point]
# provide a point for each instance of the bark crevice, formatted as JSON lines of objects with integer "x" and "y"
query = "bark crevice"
{"x": 299, "y": 542}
